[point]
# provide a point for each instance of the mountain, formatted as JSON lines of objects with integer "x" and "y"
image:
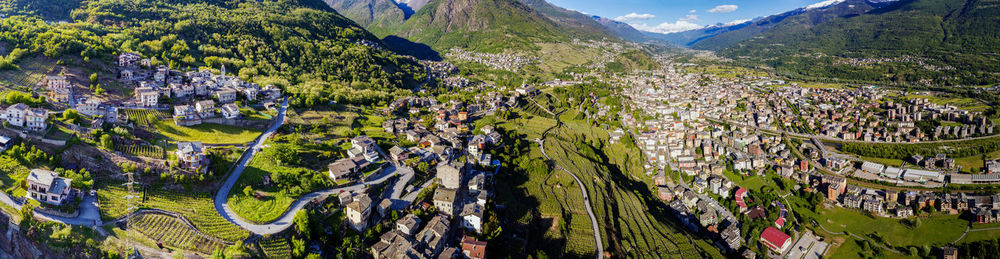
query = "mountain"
{"x": 688, "y": 38}
{"x": 942, "y": 41}
{"x": 368, "y": 12}
{"x": 715, "y": 38}
{"x": 488, "y": 26}
{"x": 491, "y": 24}
{"x": 625, "y": 31}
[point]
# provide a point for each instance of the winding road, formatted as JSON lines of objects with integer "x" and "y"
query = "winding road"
{"x": 285, "y": 221}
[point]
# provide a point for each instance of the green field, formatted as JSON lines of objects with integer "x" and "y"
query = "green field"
{"x": 207, "y": 133}
{"x": 964, "y": 103}
{"x": 250, "y": 208}
{"x": 338, "y": 123}
{"x": 975, "y": 162}
{"x": 197, "y": 207}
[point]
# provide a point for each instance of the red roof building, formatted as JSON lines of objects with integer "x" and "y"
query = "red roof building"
{"x": 741, "y": 194}
{"x": 776, "y": 240}
{"x": 473, "y": 248}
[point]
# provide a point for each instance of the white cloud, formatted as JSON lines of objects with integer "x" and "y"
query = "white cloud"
{"x": 634, "y": 17}
{"x": 726, "y": 8}
{"x": 735, "y": 22}
{"x": 693, "y": 11}
{"x": 667, "y": 27}
{"x": 689, "y": 18}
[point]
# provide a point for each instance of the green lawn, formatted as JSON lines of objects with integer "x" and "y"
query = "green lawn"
{"x": 975, "y": 162}
{"x": 251, "y": 208}
{"x": 933, "y": 230}
{"x": 207, "y": 133}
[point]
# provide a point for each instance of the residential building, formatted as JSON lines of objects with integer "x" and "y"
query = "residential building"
{"x": 358, "y": 212}
{"x": 346, "y": 167}
{"x": 47, "y": 187}
{"x": 191, "y": 155}
{"x": 450, "y": 175}
{"x": 473, "y": 248}
{"x": 472, "y": 216}
{"x": 433, "y": 236}
{"x": 444, "y": 200}
{"x": 226, "y": 96}
{"x": 147, "y": 96}
{"x": 230, "y": 111}
{"x": 14, "y": 115}
{"x": 34, "y": 119}
{"x": 408, "y": 224}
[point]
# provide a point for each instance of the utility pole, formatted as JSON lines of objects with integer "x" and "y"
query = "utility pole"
{"x": 130, "y": 207}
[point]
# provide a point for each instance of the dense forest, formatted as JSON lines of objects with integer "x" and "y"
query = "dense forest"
{"x": 905, "y": 151}
{"x": 315, "y": 54}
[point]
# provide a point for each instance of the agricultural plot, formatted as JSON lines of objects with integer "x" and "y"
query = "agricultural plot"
{"x": 151, "y": 151}
{"x": 31, "y": 71}
{"x": 631, "y": 221}
{"x": 145, "y": 117}
{"x": 275, "y": 247}
{"x": 197, "y": 207}
{"x": 207, "y": 133}
{"x": 173, "y": 232}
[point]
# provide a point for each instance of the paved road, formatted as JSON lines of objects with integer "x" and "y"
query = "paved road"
{"x": 586, "y": 202}
{"x": 89, "y": 216}
{"x": 828, "y": 138}
{"x": 285, "y": 221}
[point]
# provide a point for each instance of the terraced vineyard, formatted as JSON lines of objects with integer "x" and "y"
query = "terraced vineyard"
{"x": 173, "y": 232}
{"x": 275, "y": 247}
{"x": 140, "y": 150}
{"x": 631, "y": 221}
{"x": 142, "y": 117}
{"x": 197, "y": 207}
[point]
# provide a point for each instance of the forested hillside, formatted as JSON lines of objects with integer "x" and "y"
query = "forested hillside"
{"x": 53, "y": 10}
{"x": 302, "y": 44}
{"x": 938, "y": 41}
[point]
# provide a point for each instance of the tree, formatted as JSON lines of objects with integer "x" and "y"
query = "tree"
{"x": 248, "y": 191}
{"x": 107, "y": 142}
{"x": 28, "y": 215}
{"x": 71, "y": 116}
{"x": 93, "y": 79}
{"x": 301, "y": 221}
{"x": 298, "y": 247}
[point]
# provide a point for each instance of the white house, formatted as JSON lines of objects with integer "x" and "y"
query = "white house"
{"x": 472, "y": 216}
{"x": 47, "y": 187}
{"x": 230, "y": 111}
{"x": 14, "y": 115}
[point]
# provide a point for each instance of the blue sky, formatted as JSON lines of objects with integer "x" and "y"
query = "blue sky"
{"x": 678, "y": 15}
